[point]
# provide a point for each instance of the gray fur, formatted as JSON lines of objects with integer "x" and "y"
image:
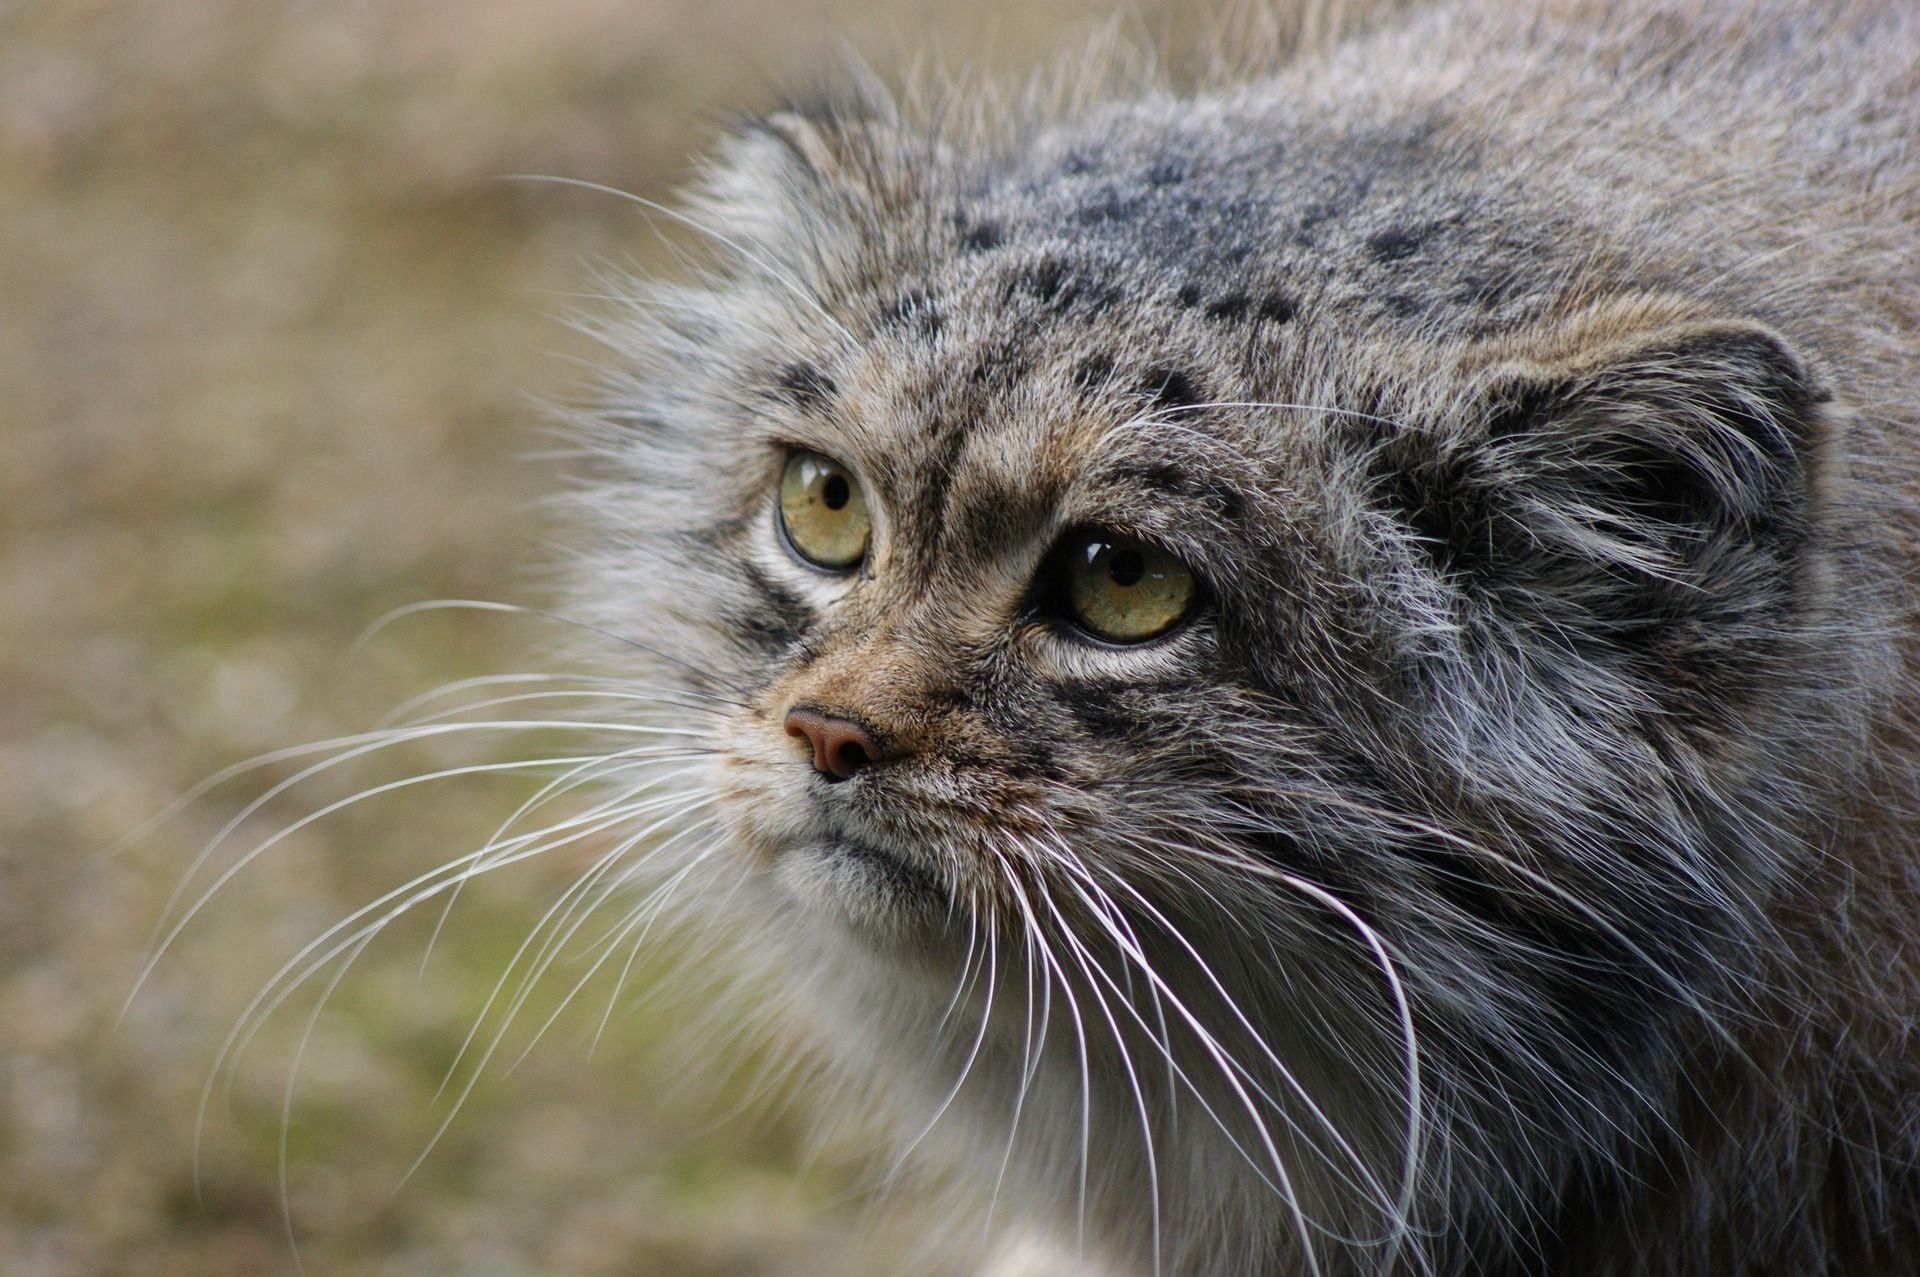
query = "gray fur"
{"x": 1509, "y": 870}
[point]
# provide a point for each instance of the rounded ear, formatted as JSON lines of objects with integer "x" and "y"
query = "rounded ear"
{"x": 770, "y": 182}
{"x": 803, "y": 185}
{"x": 1637, "y": 480}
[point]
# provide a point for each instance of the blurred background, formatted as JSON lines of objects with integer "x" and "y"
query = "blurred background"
{"x": 271, "y": 339}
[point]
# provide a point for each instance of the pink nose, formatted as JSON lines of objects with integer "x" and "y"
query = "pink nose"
{"x": 841, "y": 746}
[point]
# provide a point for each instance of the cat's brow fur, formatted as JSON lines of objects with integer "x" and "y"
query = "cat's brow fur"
{"x": 1511, "y": 867}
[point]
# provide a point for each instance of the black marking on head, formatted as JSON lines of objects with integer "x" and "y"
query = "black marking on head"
{"x": 779, "y": 618}
{"x": 806, "y": 387}
{"x": 1480, "y": 293}
{"x": 1060, "y": 287}
{"x": 1395, "y": 243}
{"x": 913, "y": 308}
{"x": 1169, "y": 388}
{"x": 1176, "y": 480}
{"x": 1434, "y": 496}
{"x": 1228, "y": 306}
{"x": 1004, "y": 362}
{"x": 1167, "y": 173}
{"x": 1106, "y": 206}
{"x": 1277, "y": 308}
{"x": 1093, "y": 372}
{"x": 980, "y": 236}
{"x": 1312, "y": 216}
{"x": 1403, "y": 305}
{"x": 949, "y": 438}
{"x": 1042, "y": 280}
{"x": 1110, "y": 709}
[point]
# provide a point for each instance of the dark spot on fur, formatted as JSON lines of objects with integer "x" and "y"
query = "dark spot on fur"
{"x": 1107, "y": 206}
{"x": 1043, "y": 279}
{"x": 806, "y": 387}
{"x": 1093, "y": 372}
{"x": 1480, "y": 294}
{"x": 1163, "y": 475}
{"x": 1169, "y": 477}
{"x": 1312, "y": 215}
{"x": 1433, "y": 494}
{"x": 1168, "y": 388}
{"x": 1229, "y": 306}
{"x": 1118, "y": 709}
{"x": 1404, "y": 305}
{"x": 1167, "y": 173}
{"x": 1277, "y": 308}
{"x": 1395, "y": 243}
{"x": 980, "y": 236}
{"x": 1061, "y": 287}
{"x": 1522, "y": 413}
{"x": 1005, "y": 362}
{"x": 1078, "y": 162}
{"x": 913, "y": 309}
{"x": 1189, "y": 295}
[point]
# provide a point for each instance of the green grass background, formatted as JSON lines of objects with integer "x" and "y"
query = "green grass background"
{"x": 269, "y": 336}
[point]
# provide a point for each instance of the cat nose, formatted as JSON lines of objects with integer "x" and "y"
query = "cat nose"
{"x": 841, "y": 746}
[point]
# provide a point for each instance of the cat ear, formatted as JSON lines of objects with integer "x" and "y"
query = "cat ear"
{"x": 789, "y": 176}
{"x": 1636, "y": 479}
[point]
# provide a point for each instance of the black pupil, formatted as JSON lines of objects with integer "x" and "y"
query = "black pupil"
{"x": 1126, "y": 567}
{"x": 834, "y": 492}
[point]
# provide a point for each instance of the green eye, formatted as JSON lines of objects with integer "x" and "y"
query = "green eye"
{"x": 1120, "y": 589}
{"x": 823, "y": 511}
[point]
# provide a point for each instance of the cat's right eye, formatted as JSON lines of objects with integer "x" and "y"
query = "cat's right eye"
{"x": 1119, "y": 589}
{"x": 823, "y": 512}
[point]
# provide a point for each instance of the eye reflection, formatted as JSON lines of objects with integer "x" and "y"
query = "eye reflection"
{"x": 823, "y": 512}
{"x": 1119, "y": 588}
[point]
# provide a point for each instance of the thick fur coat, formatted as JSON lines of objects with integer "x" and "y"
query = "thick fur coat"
{"x": 1508, "y": 866}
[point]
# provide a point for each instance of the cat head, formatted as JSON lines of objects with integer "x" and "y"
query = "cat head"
{"x": 1387, "y": 730}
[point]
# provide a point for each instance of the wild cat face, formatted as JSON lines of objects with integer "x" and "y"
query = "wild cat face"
{"x": 1362, "y": 687}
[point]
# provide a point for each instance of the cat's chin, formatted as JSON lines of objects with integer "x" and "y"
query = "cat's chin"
{"x": 872, "y": 891}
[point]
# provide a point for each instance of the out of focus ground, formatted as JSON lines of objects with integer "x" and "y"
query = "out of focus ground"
{"x": 269, "y": 333}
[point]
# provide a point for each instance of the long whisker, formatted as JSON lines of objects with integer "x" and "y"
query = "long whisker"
{"x": 279, "y": 987}
{"x": 676, "y": 804}
{"x": 666, "y": 694}
{"x": 1233, "y": 1072}
{"x": 640, "y": 919}
{"x": 586, "y": 773}
{"x": 1050, "y": 964}
{"x": 159, "y": 951}
{"x": 966, "y": 1069}
{"x": 703, "y": 675}
{"x": 773, "y": 272}
{"x": 1089, "y": 966}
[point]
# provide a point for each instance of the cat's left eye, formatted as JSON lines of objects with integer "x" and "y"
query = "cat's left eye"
{"x": 823, "y": 512}
{"x": 1119, "y": 588}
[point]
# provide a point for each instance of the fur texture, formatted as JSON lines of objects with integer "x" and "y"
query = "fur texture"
{"x": 1509, "y": 868}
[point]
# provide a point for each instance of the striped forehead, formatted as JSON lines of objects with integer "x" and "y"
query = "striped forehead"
{"x": 968, "y": 488}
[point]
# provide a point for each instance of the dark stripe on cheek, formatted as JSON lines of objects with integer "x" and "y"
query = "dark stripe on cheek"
{"x": 777, "y": 619}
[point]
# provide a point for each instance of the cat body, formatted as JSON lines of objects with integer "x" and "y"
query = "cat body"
{"x": 1504, "y": 863}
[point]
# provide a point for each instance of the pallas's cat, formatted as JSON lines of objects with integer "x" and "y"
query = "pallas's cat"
{"x": 1313, "y": 675}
